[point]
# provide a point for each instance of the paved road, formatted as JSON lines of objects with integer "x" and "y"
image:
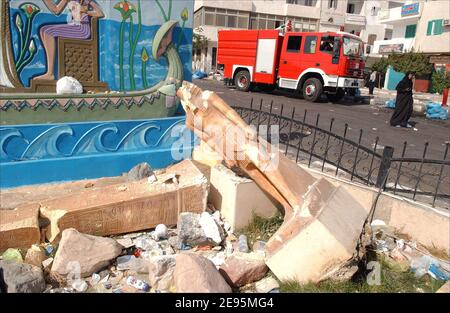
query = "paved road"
{"x": 373, "y": 120}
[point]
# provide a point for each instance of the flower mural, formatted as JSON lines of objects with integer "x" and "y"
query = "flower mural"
{"x": 127, "y": 9}
{"x": 144, "y": 59}
{"x": 27, "y": 46}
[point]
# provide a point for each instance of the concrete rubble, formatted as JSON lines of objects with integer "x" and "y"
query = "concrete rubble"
{"x": 21, "y": 278}
{"x": 83, "y": 254}
{"x": 180, "y": 229}
{"x": 19, "y": 228}
{"x": 243, "y": 268}
{"x": 194, "y": 273}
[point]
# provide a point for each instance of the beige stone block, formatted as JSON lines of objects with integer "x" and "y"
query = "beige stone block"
{"x": 19, "y": 228}
{"x": 130, "y": 206}
{"x": 320, "y": 237}
{"x": 238, "y": 198}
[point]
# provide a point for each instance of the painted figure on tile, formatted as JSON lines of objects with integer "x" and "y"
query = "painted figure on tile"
{"x": 78, "y": 27}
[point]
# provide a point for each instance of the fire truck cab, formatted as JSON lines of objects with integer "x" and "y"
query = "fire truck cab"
{"x": 309, "y": 63}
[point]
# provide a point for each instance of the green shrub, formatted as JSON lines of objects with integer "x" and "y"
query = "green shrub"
{"x": 412, "y": 62}
{"x": 440, "y": 80}
{"x": 381, "y": 65}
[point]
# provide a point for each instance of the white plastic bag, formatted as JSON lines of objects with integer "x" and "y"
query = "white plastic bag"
{"x": 68, "y": 85}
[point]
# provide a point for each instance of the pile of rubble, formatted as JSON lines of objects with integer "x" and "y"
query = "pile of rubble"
{"x": 403, "y": 255}
{"x": 200, "y": 255}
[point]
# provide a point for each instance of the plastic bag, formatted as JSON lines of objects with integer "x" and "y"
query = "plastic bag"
{"x": 68, "y": 85}
{"x": 436, "y": 111}
{"x": 390, "y": 104}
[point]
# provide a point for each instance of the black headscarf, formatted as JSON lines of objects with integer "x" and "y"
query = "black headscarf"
{"x": 406, "y": 84}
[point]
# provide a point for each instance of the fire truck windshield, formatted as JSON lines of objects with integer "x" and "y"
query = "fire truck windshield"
{"x": 352, "y": 47}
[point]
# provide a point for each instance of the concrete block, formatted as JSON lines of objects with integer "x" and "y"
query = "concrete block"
{"x": 319, "y": 238}
{"x": 130, "y": 206}
{"x": 19, "y": 228}
{"x": 238, "y": 198}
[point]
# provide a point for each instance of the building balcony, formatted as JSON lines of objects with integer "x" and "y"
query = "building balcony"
{"x": 355, "y": 19}
{"x": 405, "y": 14}
{"x": 395, "y": 45}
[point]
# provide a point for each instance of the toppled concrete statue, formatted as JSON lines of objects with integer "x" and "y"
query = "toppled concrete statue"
{"x": 322, "y": 222}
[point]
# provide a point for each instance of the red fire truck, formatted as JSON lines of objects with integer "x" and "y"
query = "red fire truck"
{"x": 309, "y": 63}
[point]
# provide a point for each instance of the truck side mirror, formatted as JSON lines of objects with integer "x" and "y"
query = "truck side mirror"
{"x": 336, "y": 50}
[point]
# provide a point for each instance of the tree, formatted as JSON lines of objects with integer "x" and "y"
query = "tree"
{"x": 381, "y": 65}
{"x": 412, "y": 62}
{"x": 440, "y": 80}
{"x": 199, "y": 42}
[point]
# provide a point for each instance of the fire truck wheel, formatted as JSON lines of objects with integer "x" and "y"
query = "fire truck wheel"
{"x": 242, "y": 80}
{"x": 312, "y": 89}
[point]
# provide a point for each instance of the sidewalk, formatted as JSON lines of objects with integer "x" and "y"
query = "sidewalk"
{"x": 380, "y": 97}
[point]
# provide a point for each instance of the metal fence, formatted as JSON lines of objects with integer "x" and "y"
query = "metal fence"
{"x": 422, "y": 179}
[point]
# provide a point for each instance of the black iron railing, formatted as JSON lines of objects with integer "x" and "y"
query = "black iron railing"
{"x": 422, "y": 179}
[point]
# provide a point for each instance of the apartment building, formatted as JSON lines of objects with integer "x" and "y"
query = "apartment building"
{"x": 387, "y": 26}
{"x": 421, "y": 25}
{"x": 211, "y": 16}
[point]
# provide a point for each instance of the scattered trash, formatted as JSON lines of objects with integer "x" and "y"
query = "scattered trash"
{"x": 199, "y": 75}
{"x": 185, "y": 246}
{"x": 140, "y": 171}
{"x": 160, "y": 232}
{"x": 79, "y": 285}
{"x": 68, "y": 85}
{"x": 138, "y": 284}
{"x": 95, "y": 279}
{"x": 122, "y": 188}
{"x": 259, "y": 246}
{"x": 49, "y": 250}
{"x": 436, "y": 111}
{"x": 12, "y": 255}
{"x": 436, "y": 272}
{"x": 243, "y": 246}
{"x": 390, "y": 104}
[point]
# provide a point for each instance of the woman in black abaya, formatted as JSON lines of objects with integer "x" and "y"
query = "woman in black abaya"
{"x": 404, "y": 102}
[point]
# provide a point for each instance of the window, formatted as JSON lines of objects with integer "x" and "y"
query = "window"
{"x": 351, "y": 8}
{"x": 198, "y": 18}
{"x": 310, "y": 44}
{"x": 371, "y": 39}
{"x": 232, "y": 21}
{"x": 332, "y": 4}
{"x": 434, "y": 28}
{"x": 309, "y": 3}
{"x": 220, "y": 20}
{"x": 410, "y": 31}
{"x": 209, "y": 19}
{"x": 294, "y": 44}
{"x": 327, "y": 44}
{"x": 243, "y": 22}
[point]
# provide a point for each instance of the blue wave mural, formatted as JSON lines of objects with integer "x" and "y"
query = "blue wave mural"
{"x": 31, "y": 154}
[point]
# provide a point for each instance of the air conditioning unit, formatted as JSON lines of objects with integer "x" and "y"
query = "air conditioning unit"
{"x": 446, "y": 22}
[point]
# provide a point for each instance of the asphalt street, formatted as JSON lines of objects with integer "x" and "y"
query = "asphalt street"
{"x": 373, "y": 120}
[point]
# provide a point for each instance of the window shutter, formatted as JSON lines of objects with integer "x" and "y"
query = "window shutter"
{"x": 437, "y": 27}
{"x": 429, "y": 28}
{"x": 410, "y": 31}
